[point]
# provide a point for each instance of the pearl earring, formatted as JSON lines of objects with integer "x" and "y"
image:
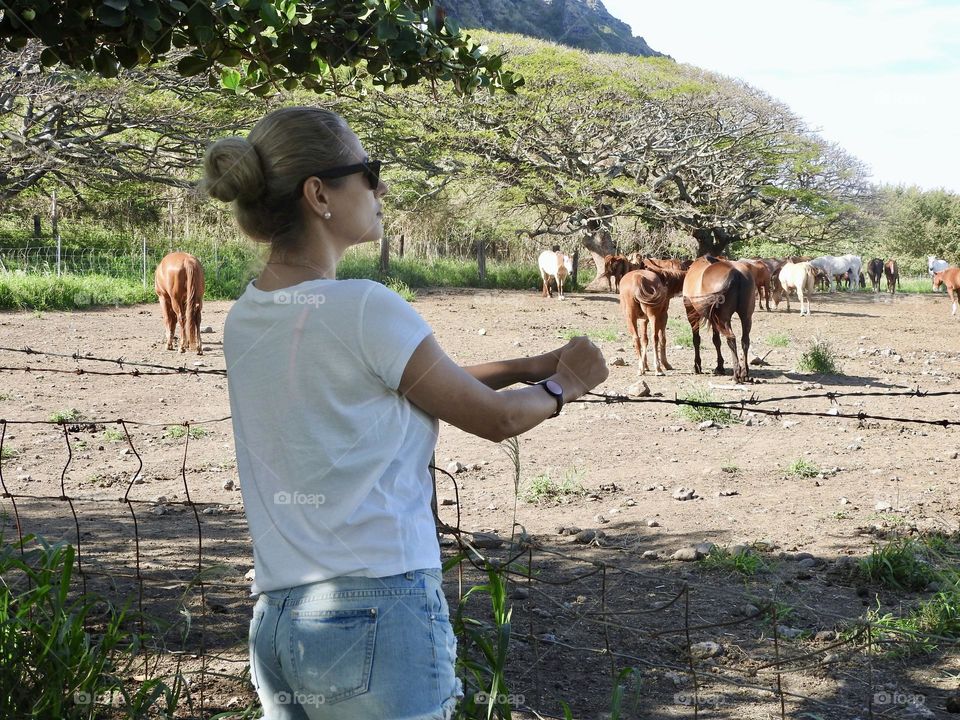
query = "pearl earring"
{"x": 326, "y": 215}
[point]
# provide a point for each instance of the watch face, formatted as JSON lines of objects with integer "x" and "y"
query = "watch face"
{"x": 554, "y": 387}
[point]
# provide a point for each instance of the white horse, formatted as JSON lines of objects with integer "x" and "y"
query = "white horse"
{"x": 935, "y": 264}
{"x": 799, "y": 277}
{"x": 833, "y": 266}
{"x": 554, "y": 265}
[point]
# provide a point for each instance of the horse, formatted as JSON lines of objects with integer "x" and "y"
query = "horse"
{"x": 761, "y": 278}
{"x": 892, "y": 272}
{"x": 935, "y": 264}
{"x": 615, "y": 267}
{"x": 554, "y": 265}
{"x": 800, "y": 277}
{"x": 713, "y": 290}
{"x": 951, "y": 278}
{"x": 875, "y": 271}
{"x": 674, "y": 264}
{"x": 834, "y": 266}
{"x": 645, "y": 296}
{"x": 178, "y": 282}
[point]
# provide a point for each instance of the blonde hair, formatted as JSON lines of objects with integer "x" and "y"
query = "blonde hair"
{"x": 261, "y": 174}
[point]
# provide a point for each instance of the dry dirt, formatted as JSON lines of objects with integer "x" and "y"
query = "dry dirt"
{"x": 896, "y": 478}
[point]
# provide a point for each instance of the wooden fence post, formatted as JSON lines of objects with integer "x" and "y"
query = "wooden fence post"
{"x": 384, "y": 255}
{"x": 36, "y": 227}
{"x": 402, "y": 238}
{"x": 481, "y": 262}
{"x": 576, "y": 265}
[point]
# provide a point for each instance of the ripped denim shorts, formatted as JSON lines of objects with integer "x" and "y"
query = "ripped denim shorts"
{"x": 355, "y": 648}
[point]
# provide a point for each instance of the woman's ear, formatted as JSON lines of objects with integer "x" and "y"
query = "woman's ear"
{"x": 315, "y": 196}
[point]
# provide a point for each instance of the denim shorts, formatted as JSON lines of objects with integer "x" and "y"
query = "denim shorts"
{"x": 355, "y": 648}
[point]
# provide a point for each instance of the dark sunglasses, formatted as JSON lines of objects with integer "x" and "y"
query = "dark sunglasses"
{"x": 370, "y": 170}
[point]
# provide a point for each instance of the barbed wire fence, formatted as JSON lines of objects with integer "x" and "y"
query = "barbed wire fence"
{"x": 659, "y": 640}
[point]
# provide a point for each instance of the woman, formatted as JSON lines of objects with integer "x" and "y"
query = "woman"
{"x": 335, "y": 390}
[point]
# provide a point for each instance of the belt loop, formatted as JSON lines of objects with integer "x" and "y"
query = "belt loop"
{"x": 410, "y": 574}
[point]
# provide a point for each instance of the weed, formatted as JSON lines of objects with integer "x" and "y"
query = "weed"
{"x": 544, "y": 488}
{"x": 743, "y": 562}
{"x": 681, "y": 333}
{"x": 730, "y": 468}
{"x": 840, "y": 515}
{"x": 607, "y": 334}
{"x": 401, "y": 289}
{"x": 175, "y": 432}
{"x": 66, "y": 416}
{"x": 932, "y": 620}
{"x": 112, "y": 435}
{"x": 7, "y": 452}
{"x": 899, "y": 564}
{"x": 803, "y": 469}
{"x": 820, "y": 359}
{"x": 699, "y": 413}
{"x": 779, "y": 340}
{"x": 4, "y": 396}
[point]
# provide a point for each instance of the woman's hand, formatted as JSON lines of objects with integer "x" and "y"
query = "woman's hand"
{"x": 580, "y": 367}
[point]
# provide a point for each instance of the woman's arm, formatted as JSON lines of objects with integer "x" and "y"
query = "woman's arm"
{"x": 438, "y": 386}
{"x": 503, "y": 373}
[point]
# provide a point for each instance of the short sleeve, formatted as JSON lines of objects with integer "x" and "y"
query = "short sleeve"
{"x": 390, "y": 330}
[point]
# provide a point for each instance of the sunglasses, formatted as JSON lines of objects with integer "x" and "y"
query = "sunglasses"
{"x": 370, "y": 170}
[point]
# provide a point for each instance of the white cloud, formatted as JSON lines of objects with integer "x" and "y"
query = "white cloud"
{"x": 879, "y": 78}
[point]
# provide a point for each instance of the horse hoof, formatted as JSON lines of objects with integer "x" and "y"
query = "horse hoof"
{"x": 660, "y": 373}
{"x": 719, "y": 371}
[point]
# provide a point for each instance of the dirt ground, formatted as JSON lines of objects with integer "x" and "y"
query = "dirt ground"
{"x": 593, "y": 608}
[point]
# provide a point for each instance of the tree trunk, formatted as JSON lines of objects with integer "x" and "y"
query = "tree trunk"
{"x": 600, "y": 244}
{"x": 712, "y": 241}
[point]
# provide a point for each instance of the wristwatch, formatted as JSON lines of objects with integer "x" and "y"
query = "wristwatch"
{"x": 553, "y": 387}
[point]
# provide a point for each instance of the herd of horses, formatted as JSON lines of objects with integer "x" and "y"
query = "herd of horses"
{"x": 714, "y": 289}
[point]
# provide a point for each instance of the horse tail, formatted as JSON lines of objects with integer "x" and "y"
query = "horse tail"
{"x": 707, "y": 304}
{"x": 193, "y": 297}
{"x": 649, "y": 292}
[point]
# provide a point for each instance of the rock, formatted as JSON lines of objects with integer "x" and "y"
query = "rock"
{"x": 159, "y": 510}
{"x": 211, "y": 511}
{"x": 618, "y": 362}
{"x": 651, "y": 523}
{"x": 829, "y": 658}
{"x": 448, "y": 501}
{"x": 825, "y": 636}
{"x": 588, "y": 536}
{"x": 228, "y": 484}
{"x": 788, "y": 632}
{"x": 476, "y": 466}
{"x": 678, "y": 679}
{"x": 808, "y": 563}
{"x": 802, "y": 556}
{"x": 687, "y": 554}
{"x": 953, "y": 703}
{"x": 749, "y": 610}
{"x": 639, "y": 389}
{"x": 26, "y": 477}
{"x": 206, "y": 329}
{"x": 706, "y": 649}
{"x": 787, "y": 424}
{"x": 844, "y": 501}
{"x": 562, "y": 530}
{"x": 705, "y": 424}
{"x": 705, "y": 548}
{"x": 883, "y": 506}
{"x": 520, "y": 593}
{"x": 160, "y": 499}
{"x": 629, "y": 502}
{"x": 486, "y": 540}
{"x": 482, "y": 331}
{"x": 600, "y": 519}
{"x": 833, "y": 411}
{"x": 748, "y": 422}
{"x": 455, "y": 466}
{"x": 650, "y": 555}
{"x": 740, "y": 550}
{"x": 650, "y": 488}
{"x": 953, "y": 455}
{"x": 682, "y": 493}
{"x": 250, "y": 575}
{"x": 727, "y": 493}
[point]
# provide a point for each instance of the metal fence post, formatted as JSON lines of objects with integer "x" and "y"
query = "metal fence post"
{"x": 55, "y": 228}
{"x": 144, "y": 256}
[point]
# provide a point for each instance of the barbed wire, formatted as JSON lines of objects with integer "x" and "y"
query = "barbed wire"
{"x": 122, "y": 362}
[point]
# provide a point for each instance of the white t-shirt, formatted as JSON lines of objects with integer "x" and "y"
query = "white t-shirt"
{"x": 333, "y": 461}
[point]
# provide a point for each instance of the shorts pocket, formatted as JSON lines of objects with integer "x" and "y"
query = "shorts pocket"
{"x": 332, "y": 652}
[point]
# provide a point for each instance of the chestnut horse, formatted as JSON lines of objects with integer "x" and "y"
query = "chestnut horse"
{"x": 713, "y": 291}
{"x": 178, "y": 282}
{"x": 645, "y": 296}
{"x": 615, "y": 267}
{"x": 761, "y": 278}
{"x": 951, "y": 278}
{"x": 892, "y": 272}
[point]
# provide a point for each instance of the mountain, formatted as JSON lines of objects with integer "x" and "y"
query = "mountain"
{"x": 583, "y": 24}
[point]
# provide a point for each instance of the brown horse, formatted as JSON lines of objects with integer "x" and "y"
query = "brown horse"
{"x": 178, "y": 282}
{"x": 892, "y": 272}
{"x": 615, "y": 267}
{"x": 951, "y": 278}
{"x": 762, "y": 280}
{"x": 713, "y": 291}
{"x": 645, "y": 296}
{"x": 875, "y": 271}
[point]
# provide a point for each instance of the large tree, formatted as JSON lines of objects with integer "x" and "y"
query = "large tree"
{"x": 261, "y": 45}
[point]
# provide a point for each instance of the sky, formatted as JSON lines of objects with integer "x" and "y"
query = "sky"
{"x": 880, "y": 78}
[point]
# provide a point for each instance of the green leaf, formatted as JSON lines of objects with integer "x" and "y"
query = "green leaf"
{"x": 120, "y": 5}
{"x": 230, "y": 58}
{"x": 192, "y": 65}
{"x": 387, "y": 30}
{"x": 107, "y": 64}
{"x": 128, "y": 57}
{"x": 111, "y": 17}
{"x": 230, "y": 79}
{"x": 48, "y": 58}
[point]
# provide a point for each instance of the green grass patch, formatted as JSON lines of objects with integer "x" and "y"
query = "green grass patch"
{"x": 606, "y": 334}
{"x": 802, "y": 468}
{"x": 819, "y": 358}
{"x": 921, "y": 629}
{"x": 401, "y": 289}
{"x": 113, "y": 435}
{"x": 70, "y": 292}
{"x": 730, "y": 468}
{"x": 680, "y": 332}
{"x": 543, "y": 488}
{"x": 4, "y": 396}
{"x": 66, "y": 416}
{"x": 7, "y": 452}
{"x": 902, "y": 565}
{"x": 698, "y": 414}
{"x": 742, "y": 563}
{"x": 779, "y": 340}
{"x": 175, "y": 432}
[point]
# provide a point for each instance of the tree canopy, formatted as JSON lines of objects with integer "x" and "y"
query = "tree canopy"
{"x": 259, "y": 45}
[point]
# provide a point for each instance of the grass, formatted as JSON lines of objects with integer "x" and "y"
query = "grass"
{"x": 802, "y": 468}
{"x": 175, "y": 432}
{"x": 401, "y": 289}
{"x": 743, "y": 563}
{"x": 607, "y": 334}
{"x": 680, "y": 332}
{"x": 70, "y": 292}
{"x": 699, "y": 414}
{"x": 730, "y": 468}
{"x": 112, "y": 435}
{"x": 902, "y": 565}
{"x": 819, "y": 358}
{"x": 779, "y": 340}
{"x": 543, "y": 488}
{"x": 6, "y": 453}
{"x": 65, "y": 416}
{"x": 4, "y": 396}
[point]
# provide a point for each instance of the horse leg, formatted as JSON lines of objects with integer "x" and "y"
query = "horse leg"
{"x": 546, "y": 283}
{"x": 660, "y": 335}
{"x": 955, "y": 296}
{"x": 629, "y": 306}
{"x": 746, "y": 323}
{"x": 645, "y": 365}
{"x": 196, "y": 329}
{"x": 719, "y": 370}
{"x": 694, "y": 319}
{"x": 169, "y": 319}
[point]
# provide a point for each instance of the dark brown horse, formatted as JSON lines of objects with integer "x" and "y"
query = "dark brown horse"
{"x": 615, "y": 267}
{"x": 892, "y": 272}
{"x": 713, "y": 291}
{"x": 645, "y": 297}
{"x": 875, "y": 271}
{"x": 761, "y": 279}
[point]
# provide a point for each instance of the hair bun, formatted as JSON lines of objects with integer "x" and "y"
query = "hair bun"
{"x": 232, "y": 171}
